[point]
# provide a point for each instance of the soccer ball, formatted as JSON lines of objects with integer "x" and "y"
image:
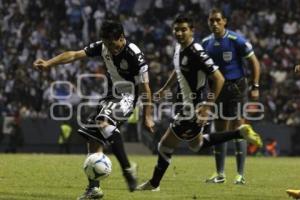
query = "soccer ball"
{"x": 97, "y": 166}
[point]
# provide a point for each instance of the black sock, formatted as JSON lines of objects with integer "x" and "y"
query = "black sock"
{"x": 93, "y": 183}
{"x": 160, "y": 169}
{"x": 218, "y": 138}
{"x": 117, "y": 147}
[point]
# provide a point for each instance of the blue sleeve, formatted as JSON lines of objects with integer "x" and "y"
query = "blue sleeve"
{"x": 204, "y": 43}
{"x": 244, "y": 47}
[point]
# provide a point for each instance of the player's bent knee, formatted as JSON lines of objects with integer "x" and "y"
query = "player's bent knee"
{"x": 108, "y": 130}
{"x": 161, "y": 148}
{"x": 194, "y": 148}
{"x": 106, "y": 126}
{"x": 165, "y": 152}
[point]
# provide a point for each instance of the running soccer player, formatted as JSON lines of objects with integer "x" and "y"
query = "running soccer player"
{"x": 228, "y": 49}
{"x": 125, "y": 63}
{"x": 192, "y": 68}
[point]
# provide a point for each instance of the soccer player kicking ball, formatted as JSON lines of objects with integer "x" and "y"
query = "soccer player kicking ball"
{"x": 125, "y": 63}
{"x": 192, "y": 68}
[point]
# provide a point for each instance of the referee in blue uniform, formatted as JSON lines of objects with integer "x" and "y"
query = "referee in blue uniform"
{"x": 228, "y": 50}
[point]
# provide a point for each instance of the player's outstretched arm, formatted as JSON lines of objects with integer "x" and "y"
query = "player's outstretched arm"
{"x": 66, "y": 57}
{"x": 170, "y": 82}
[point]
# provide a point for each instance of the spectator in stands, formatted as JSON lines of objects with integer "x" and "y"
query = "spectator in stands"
{"x": 30, "y": 30}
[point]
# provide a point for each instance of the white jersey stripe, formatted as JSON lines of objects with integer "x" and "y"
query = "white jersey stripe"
{"x": 184, "y": 85}
{"x": 134, "y": 48}
{"x": 114, "y": 74}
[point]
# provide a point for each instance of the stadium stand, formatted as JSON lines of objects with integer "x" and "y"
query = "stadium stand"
{"x": 44, "y": 28}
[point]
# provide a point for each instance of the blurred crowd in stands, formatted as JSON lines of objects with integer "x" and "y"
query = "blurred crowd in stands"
{"x": 44, "y": 28}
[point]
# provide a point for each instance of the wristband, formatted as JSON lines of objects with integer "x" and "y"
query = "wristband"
{"x": 255, "y": 86}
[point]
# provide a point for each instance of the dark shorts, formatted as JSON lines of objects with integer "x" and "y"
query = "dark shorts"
{"x": 185, "y": 128}
{"x": 232, "y": 98}
{"x": 114, "y": 110}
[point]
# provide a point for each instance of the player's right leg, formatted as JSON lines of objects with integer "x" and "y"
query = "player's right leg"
{"x": 112, "y": 135}
{"x": 220, "y": 152}
{"x": 107, "y": 121}
{"x": 93, "y": 189}
{"x": 166, "y": 147}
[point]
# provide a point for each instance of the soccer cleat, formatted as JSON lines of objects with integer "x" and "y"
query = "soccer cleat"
{"x": 293, "y": 193}
{"x": 250, "y": 135}
{"x": 92, "y": 193}
{"x": 130, "y": 175}
{"x": 147, "y": 186}
{"x": 239, "y": 180}
{"x": 216, "y": 178}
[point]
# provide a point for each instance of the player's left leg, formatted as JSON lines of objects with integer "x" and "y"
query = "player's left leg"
{"x": 112, "y": 134}
{"x": 166, "y": 148}
{"x": 240, "y": 152}
{"x": 239, "y": 98}
{"x": 220, "y": 152}
{"x": 114, "y": 111}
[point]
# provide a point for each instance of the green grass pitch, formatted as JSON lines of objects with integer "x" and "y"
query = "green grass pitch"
{"x": 60, "y": 177}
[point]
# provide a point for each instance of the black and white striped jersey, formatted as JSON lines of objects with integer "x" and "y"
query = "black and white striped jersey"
{"x": 128, "y": 66}
{"x": 192, "y": 66}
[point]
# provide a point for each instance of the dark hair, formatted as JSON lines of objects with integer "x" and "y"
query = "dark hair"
{"x": 217, "y": 10}
{"x": 183, "y": 18}
{"x": 111, "y": 30}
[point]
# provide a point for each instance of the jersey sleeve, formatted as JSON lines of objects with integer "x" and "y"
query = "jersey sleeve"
{"x": 244, "y": 47}
{"x": 94, "y": 49}
{"x": 139, "y": 64}
{"x": 142, "y": 74}
{"x": 205, "y": 62}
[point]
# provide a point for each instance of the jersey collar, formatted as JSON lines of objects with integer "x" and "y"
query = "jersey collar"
{"x": 126, "y": 44}
{"x": 224, "y": 36}
{"x": 182, "y": 49}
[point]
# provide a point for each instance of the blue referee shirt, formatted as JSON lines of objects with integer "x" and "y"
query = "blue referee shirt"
{"x": 228, "y": 53}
